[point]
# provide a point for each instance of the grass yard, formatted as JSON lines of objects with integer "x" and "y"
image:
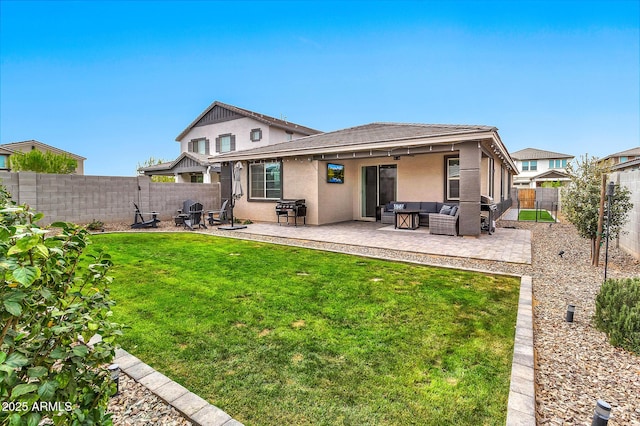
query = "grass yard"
{"x": 279, "y": 335}
{"x": 530, "y": 215}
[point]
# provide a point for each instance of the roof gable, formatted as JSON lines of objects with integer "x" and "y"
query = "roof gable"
{"x": 552, "y": 174}
{"x": 219, "y": 112}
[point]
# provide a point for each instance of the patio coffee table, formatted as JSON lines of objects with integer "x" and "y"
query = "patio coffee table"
{"x": 407, "y": 219}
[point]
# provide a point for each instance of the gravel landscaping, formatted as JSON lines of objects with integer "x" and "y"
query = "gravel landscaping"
{"x": 575, "y": 365}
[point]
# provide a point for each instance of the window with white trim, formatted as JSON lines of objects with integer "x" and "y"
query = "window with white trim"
{"x": 531, "y": 166}
{"x": 265, "y": 181}
{"x": 557, "y": 164}
{"x": 453, "y": 178}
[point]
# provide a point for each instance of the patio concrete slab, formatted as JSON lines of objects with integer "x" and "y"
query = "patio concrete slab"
{"x": 504, "y": 245}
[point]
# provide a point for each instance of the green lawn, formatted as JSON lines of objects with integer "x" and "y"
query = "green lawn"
{"x": 530, "y": 215}
{"x": 278, "y": 335}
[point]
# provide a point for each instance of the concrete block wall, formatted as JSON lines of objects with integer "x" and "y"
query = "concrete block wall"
{"x": 629, "y": 239}
{"x": 547, "y": 198}
{"x": 82, "y": 199}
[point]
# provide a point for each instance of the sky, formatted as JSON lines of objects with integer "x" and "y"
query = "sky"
{"x": 116, "y": 82}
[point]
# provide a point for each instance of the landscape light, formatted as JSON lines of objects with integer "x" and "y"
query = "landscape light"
{"x": 570, "y": 311}
{"x": 114, "y": 370}
{"x": 602, "y": 414}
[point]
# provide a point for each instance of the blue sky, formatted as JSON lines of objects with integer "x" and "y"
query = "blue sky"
{"x": 117, "y": 81}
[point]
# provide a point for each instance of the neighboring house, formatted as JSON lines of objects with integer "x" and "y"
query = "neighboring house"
{"x": 621, "y": 157}
{"x": 381, "y": 162}
{"x": 536, "y": 166}
{"x": 219, "y": 129}
{"x": 627, "y": 174}
{"x": 4, "y": 158}
{"x": 25, "y": 146}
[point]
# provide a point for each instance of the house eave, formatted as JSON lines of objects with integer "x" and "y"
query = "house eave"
{"x": 389, "y": 148}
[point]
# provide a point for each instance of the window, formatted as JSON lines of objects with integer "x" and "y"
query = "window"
{"x": 453, "y": 178}
{"x": 255, "y": 135}
{"x": 199, "y": 178}
{"x": 265, "y": 181}
{"x": 530, "y": 166}
{"x": 289, "y": 135}
{"x": 226, "y": 143}
{"x": 3, "y": 161}
{"x": 557, "y": 164}
{"x": 200, "y": 146}
{"x": 623, "y": 159}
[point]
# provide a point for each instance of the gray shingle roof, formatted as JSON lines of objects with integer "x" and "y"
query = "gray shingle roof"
{"x": 13, "y": 146}
{"x": 537, "y": 154}
{"x": 354, "y": 137}
{"x": 271, "y": 121}
{"x": 628, "y": 153}
{"x": 201, "y": 159}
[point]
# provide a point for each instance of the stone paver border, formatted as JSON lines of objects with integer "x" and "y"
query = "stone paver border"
{"x": 521, "y": 408}
{"x": 194, "y": 408}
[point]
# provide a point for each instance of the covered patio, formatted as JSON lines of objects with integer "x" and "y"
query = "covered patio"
{"x": 351, "y": 174}
{"x": 505, "y": 245}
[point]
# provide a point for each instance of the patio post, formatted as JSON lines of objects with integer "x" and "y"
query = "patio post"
{"x": 470, "y": 188}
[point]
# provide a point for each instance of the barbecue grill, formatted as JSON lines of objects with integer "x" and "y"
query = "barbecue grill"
{"x": 486, "y": 220}
{"x": 292, "y": 209}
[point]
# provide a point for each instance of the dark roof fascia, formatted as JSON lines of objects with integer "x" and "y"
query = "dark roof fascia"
{"x": 292, "y": 148}
{"x": 271, "y": 121}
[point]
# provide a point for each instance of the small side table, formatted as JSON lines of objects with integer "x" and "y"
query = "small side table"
{"x": 407, "y": 219}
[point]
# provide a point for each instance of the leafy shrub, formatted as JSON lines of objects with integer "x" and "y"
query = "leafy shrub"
{"x": 618, "y": 312}
{"x": 95, "y": 225}
{"x": 53, "y": 300}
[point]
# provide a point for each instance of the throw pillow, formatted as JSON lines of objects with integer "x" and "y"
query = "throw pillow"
{"x": 454, "y": 210}
{"x": 445, "y": 210}
{"x": 398, "y": 206}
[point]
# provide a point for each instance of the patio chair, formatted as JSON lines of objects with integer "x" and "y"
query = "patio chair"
{"x": 140, "y": 222}
{"x": 194, "y": 218}
{"x": 183, "y": 213}
{"x": 217, "y": 217}
{"x": 444, "y": 224}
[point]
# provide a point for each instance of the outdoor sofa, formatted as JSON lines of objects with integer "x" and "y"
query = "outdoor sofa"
{"x": 425, "y": 208}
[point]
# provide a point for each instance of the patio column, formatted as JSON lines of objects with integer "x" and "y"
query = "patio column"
{"x": 469, "y": 218}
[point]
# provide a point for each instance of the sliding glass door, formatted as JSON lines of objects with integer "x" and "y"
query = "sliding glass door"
{"x": 378, "y": 187}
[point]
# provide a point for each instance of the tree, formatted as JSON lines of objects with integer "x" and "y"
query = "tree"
{"x": 582, "y": 198}
{"x": 42, "y": 162}
{"x": 53, "y": 300}
{"x": 156, "y": 178}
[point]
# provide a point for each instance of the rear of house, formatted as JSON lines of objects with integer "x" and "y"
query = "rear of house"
{"x": 379, "y": 163}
